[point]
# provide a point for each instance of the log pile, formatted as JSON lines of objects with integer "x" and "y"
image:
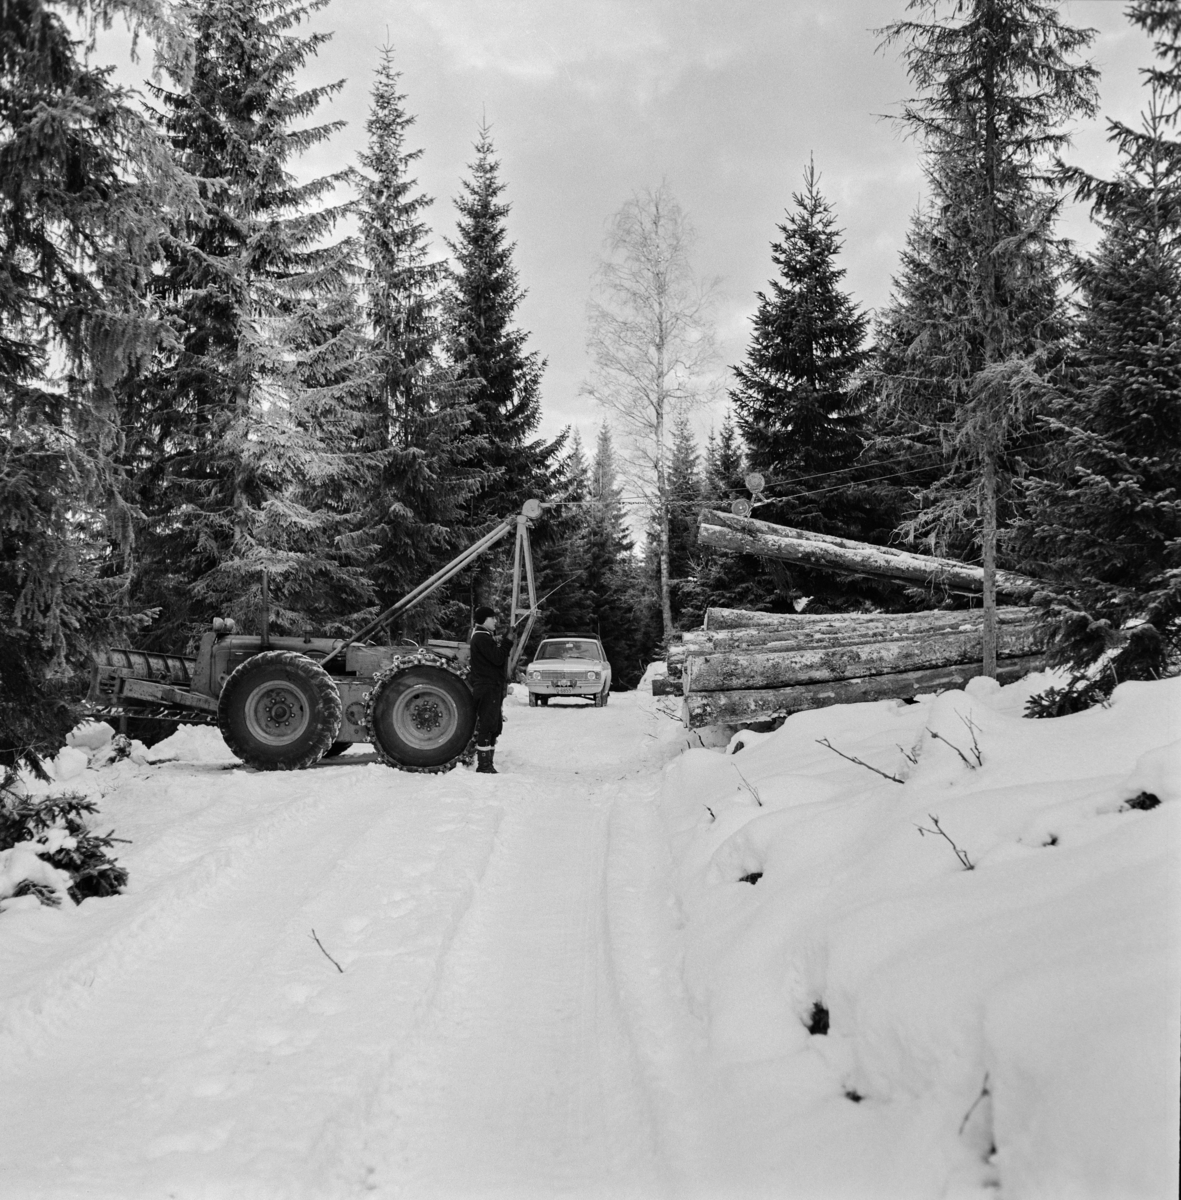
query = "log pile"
{"x": 763, "y": 671}
{"x": 746, "y": 667}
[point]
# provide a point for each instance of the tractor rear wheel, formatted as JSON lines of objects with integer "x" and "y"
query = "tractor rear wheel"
{"x": 421, "y": 714}
{"x": 279, "y": 711}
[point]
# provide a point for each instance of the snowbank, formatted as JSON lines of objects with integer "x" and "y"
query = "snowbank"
{"x": 191, "y": 743}
{"x": 981, "y": 935}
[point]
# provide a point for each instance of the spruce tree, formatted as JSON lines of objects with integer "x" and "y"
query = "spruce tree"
{"x": 489, "y": 351}
{"x": 798, "y": 405}
{"x": 794, "y": 399}
{"x": 731, "y": 580}
{"x": 83, "y": 183}
{"x": 725, "y": 466}
{"x": 613, "y": 576}
{"x": 563, "y": 557}
{"x": 222, "y": 446}
{"x": 1105, "y": 520}
{"x": 685, "y": 503}
{"x": 968, "y": 347}
{"x": 419, "y": 475}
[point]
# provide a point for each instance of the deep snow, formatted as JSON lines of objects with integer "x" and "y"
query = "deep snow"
{"x": 556, "y": 983}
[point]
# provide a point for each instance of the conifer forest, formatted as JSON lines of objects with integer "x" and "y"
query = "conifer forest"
{"x": 214, "y": 369}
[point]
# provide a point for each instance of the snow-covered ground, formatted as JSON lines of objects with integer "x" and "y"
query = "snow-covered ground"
{"x": 594, "y": 974}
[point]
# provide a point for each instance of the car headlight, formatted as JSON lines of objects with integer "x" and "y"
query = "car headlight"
{"x": 592, "y": 674}
{"x": 534, "y": 674}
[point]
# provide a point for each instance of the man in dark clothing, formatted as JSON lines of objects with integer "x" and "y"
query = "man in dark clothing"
{"x": 486, "y": 677}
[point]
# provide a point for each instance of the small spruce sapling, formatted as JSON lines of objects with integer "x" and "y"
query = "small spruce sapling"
{"x": 84, "y": 855}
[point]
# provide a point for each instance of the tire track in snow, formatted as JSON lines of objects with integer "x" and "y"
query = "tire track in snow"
{"x": 235, "y": 1000}
{"x": 553, "y": 1061}
{"x": 116, "y": 934}
{"x": 508, "y": 1022}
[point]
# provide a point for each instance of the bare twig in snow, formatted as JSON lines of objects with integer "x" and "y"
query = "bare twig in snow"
{"x": 712, "y": 815}
{"x": 326, "y": 954}
{"x": 750, "y": 787}
{"x": 973, "y": 729}
{"x": 884, "y": 774}
{"x": 962, "y": 855}
{"x": 975, "y": 1103}
{"x": 948, "y": 742}
{"x": 909, "y": 755}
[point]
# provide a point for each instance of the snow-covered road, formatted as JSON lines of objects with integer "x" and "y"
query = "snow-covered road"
{"x": 623, "y": 968}
{"x": 509, "y": 1020}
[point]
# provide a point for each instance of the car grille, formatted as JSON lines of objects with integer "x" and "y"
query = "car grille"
{"x": 553, "y": 676}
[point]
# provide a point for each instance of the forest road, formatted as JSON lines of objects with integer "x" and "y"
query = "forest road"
{"x": 491, "y": 1005}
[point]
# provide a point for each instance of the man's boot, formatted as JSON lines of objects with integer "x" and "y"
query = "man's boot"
{"x": 484, "y": 761}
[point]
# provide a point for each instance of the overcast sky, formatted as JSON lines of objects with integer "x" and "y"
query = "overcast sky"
{"x": 589, "y": 100}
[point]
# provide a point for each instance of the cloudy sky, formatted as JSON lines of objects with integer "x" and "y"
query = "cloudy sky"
{"x": 589, "y": 100}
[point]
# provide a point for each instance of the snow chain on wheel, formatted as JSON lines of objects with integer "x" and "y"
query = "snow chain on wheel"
{"x": 279, "y": 711}
{"x": 421, "y": 715}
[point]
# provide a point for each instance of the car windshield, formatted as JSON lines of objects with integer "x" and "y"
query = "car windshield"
{"x": 573, "y": 648}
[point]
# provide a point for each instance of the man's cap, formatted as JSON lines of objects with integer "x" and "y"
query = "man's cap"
{"x": 483, "y": 613}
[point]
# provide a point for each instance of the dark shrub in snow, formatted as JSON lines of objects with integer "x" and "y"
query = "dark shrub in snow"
{"x": 53, "y": 832}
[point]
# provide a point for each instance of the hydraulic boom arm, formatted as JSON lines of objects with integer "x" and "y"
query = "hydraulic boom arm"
{"x": 523, "y": 608}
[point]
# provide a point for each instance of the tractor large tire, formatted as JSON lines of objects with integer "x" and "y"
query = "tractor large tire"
{"x": 421, "y": 715}
{"x": 279, "y": 711}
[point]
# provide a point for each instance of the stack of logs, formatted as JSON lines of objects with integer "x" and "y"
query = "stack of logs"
{"x": 749, "y": 667}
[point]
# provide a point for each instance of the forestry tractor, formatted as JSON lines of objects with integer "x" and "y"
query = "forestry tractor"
{"x": 283, "y": 703}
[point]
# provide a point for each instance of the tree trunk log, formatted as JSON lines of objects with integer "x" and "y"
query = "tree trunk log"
{"x": 746, "y": 706}
{"x": 992, "y": 649}
{"x": 667, "y": 686}
{"x": 836, "y": 630}
{"x": 777, "y": 667}
{"x": 744, "y": 535}
{"x": 726, "y": 620}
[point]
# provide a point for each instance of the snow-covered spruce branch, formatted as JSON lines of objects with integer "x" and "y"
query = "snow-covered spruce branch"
{"x": 884, "y": 774}
{"x": 962, "y": 855}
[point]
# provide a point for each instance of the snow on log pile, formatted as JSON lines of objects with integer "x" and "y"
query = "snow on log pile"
{"x": 733, "y": 673}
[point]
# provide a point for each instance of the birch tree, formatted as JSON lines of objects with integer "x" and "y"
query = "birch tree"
{"x": 651, "y": 345}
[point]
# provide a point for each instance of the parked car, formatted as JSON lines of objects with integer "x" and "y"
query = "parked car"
{"x": 572, "y": 665}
